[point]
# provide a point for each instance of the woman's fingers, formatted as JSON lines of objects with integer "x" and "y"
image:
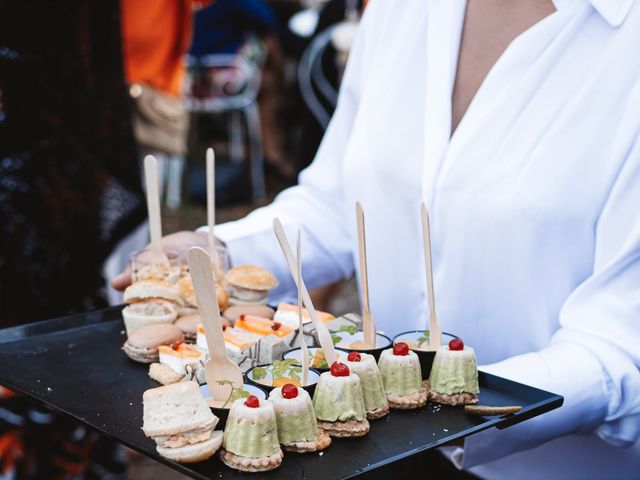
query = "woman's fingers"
{"x": 174, "y": 245}
{"x": 122, "y": 280}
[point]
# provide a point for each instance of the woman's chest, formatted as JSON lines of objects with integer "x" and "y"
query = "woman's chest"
{"x": 537, "y": 142}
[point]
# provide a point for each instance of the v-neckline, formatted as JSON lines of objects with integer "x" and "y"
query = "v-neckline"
{"x": 489, "y": 74}
{"x": 444, "y": 36}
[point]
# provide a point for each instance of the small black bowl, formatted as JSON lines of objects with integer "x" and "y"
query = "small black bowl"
{"x": 314, "y": 376}
{"x": 426, "y": 357}
{"x": 223, "y": 413}
{"x": 382, "y": 343}
{"x": 294, "y": 353}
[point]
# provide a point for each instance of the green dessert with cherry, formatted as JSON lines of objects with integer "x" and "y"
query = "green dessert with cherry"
{"x": 297, "y": 426}
{"x": 375, "y": 401}
{"x": 402, "y": 378}
{"x": 339, "y": 403}
{"x": 250, "y": 442}
{"x": 454, "y": 375}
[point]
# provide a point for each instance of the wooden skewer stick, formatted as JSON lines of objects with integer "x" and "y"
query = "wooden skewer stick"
{"x": 304, "y": 352}
{"x": 435, "y": 332}
{"x": 324, "y": 337}
{"x": 368, "y": 323}
{"x": 153, "y": 209}
{"x": 211, "y": 210}
{"x": 219, "y": 369}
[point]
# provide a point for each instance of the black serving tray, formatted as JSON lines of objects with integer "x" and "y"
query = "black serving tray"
{"x": 75, "y": 365}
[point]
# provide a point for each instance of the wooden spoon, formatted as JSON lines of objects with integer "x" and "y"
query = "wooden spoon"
{"x": 157, "y": 255}
{"x": 211, "y": 211}
{"x": 368, "y": 323}
{"x": 221, "y": 372}
{"x": 326, "y": 343}
{"x": 435, "y": 332}
{"x": 304, "y": 352}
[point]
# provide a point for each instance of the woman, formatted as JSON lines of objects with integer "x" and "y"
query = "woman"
{"x": 521, "y": 132}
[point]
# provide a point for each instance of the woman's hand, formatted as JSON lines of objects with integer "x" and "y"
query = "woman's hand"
{"x": 174, "y": 245}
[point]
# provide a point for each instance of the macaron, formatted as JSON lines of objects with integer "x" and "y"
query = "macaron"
{"x": 142, "y": 345}
{"x": 189, "y": 327}
{"x": 233, "y": 312}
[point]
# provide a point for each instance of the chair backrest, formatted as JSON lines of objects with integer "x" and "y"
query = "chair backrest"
{"x": 220, "y": 82}
{"x": 312, "y": 79}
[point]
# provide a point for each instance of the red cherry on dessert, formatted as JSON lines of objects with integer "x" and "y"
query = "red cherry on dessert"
{"x": 456, "y": 344}
{"x": 339, "y": 369}
{"x": 401, "y": 349}
{"x": 354, "y": 357}
{"x": 289, "y": 390}
{"x": 276, "y": 326}
{"x": 252, "y": 401}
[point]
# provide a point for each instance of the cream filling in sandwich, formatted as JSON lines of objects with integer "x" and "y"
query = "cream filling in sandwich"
{"x": 189, "y": 437}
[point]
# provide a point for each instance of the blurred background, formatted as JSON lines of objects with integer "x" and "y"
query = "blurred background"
{"x": 87, "y": 89}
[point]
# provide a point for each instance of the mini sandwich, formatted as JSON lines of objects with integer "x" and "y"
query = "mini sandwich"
{"x": 287, "y": 314}
{"x": 142, "y": 345}
{"x": 157, "y": 271}
{"x": 149, "y": 290}
{"x": 179, "y": 420}
{"x": 249, "y": 284}
{"x": 188, "y": 303}
{"x": 150, "y": 302}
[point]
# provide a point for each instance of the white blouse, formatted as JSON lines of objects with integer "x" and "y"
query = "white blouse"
{"x": 535, "y": 216}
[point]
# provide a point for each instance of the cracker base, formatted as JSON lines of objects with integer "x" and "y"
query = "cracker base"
{"x": 322, "y": 441}
{"x": 378, "y": 413}
{"x": 346, "y": 429}
{"x": 463, "y": 398}
{"x": 247, "y": 464}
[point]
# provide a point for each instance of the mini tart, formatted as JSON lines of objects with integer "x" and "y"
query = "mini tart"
{"x": 454, "y": 376}
{"x": 339, "y": 405}
{"x": 375, "y": 399}
{"x": 297, "y": 426}
{"x": 402, "y": 379}
{"x": 251, "y": 438}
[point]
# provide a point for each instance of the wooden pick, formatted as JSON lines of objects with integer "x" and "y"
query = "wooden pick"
{"x": 153, "y": 209}
{"x": 323, "y": 332}
{"x": 211, "y": 210}
{"x": 221, "y": 372}
{"x": 304, "y": 352}
{"x": 368, "y": 323}
{"x": 435, "y": 332}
